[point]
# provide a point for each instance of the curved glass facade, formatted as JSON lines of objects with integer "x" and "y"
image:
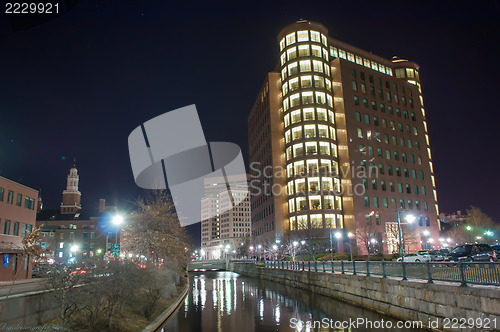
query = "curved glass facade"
{"x": 311, "y": 150}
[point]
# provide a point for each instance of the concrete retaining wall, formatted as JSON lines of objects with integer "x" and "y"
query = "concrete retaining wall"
{"x": 405, "y": 300}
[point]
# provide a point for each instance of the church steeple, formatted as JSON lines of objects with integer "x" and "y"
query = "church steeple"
{"x": 71, "y": 196}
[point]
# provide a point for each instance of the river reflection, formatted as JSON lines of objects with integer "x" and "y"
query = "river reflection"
{"x": 227, "y": 301}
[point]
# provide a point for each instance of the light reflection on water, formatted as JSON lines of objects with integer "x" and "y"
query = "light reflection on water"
{"x": 244, "y": 304}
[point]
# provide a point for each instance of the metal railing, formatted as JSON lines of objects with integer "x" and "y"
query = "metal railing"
{"x": 463, "y": 272}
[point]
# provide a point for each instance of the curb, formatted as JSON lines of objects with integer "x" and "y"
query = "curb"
{"x": 164, "y": 316}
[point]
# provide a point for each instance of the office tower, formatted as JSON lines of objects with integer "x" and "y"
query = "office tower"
{"x": 223, "y": 227}
{"x": 348, "y": 128}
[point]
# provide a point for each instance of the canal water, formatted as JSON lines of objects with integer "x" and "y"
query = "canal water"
{"x": 229, "y": 302}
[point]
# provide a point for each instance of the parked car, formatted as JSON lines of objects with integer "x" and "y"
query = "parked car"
{"x": 444, "y": 251}
{"x": 496, "y": 248}
{"x": 435, "y": 255}
{"x": 472, "y": 253}
{"x": 417, "y": 257}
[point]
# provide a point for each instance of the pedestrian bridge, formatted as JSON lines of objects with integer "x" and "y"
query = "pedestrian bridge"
{"x": 214, "y": 265}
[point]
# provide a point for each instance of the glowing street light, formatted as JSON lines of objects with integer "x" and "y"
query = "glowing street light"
{"x": 469, "y": 228}
{"x": 338, "y": 235}
{"x": 74, "y": 248}
{"x": 410, "y": 218}
{"x": 117, "y": 220}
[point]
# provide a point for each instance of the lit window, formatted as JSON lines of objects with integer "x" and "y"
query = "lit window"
{"x": 284, "y": 89}
{"x": 298, "y": 150}
{"x": 321, "y": 114}
{"x": 323, "y": 131}
{"x": 308, "y": 114}
{"x": 366, "y": 63}
{"x": 296, "y": 133}
{"x": 295, "y": 116}
{"x": 410, "y": 73}
{"x": 350, "y": 56}
{"x": 311, "y": 148}
{"x": 304, "y": 50}
{"x": 287, "y": 136}
{"x": 317, "y": 66}
{"x": 286, "y": 106}
{"x": 294, "y": 84}
{"x": 293, "y": 69}
{"x": 301, "y": 201}
{"x": 291, "y": 205}
{"x": 291, "y": 53}
{"x": 302, "y": 35}
{"x": 305, "y": 81}
{"x": 327, "y": 69}
{"x": 321, "y": 99}
{"x": 328, "y": 84}
{"x": 315, "y": 36}
{"x": 324, "y": 40}
{"x": 324, "y": 148}
{"x": 283, "y": 74}
{"x": 325, "y": 167}
{"x": 316, "y": 51}
{"x": 330, "y": 221}
{"x": 359, "y": 60}
{"x": 315, "y": 202}
{"x": 312, "y": 166}
{"x": 302, "y": 222}
{"x": 294, "y": 101}
{"x": 298, "y": 167}
{"x": 305, "y": 65}
{"x": 319, "y": 82}
{"x": 309, "y": 131}
{"x": 342, "y": 54}
{"x": 307, "y": 97}
{"x": 325, "y": 54}
{"x": 282, "y": 44}
{"x": 290, "y": 38}
{"x": 283, "y": 59}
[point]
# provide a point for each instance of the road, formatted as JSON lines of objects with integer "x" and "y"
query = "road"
{"x": 21, "y": 286}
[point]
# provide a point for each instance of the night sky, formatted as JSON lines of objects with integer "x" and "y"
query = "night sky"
{"x": 77, "y": 85}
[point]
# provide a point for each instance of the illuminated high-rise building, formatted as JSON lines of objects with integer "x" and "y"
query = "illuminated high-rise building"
{"x": 224, "y": 227}
{"x": 343, "y": 132}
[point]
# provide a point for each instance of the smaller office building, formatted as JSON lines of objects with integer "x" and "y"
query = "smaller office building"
{"x": 17, "y": 218}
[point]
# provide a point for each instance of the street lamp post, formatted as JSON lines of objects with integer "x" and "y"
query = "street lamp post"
{"x": 338, "y": 236}
{"x": 117, "y": 221}
{"x": 350, "y": 235}
{"x": 469, "y": 229}
{"x": 331, "y": 245}
{"x": 410, "y": 219}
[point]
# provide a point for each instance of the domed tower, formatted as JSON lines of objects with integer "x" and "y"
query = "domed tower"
{"x": 71, "y": 196}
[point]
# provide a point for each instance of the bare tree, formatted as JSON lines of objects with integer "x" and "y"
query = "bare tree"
{"x": 364, "y": 233}
{"x": 154, "y": 231}
{"x": 63, "y": 281}
{"x": 409, "y": 236}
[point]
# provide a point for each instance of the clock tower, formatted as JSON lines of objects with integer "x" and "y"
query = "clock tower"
{"x": 71, "y": 196}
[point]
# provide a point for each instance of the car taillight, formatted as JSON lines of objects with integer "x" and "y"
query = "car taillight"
{"x": 494, "y": 255}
